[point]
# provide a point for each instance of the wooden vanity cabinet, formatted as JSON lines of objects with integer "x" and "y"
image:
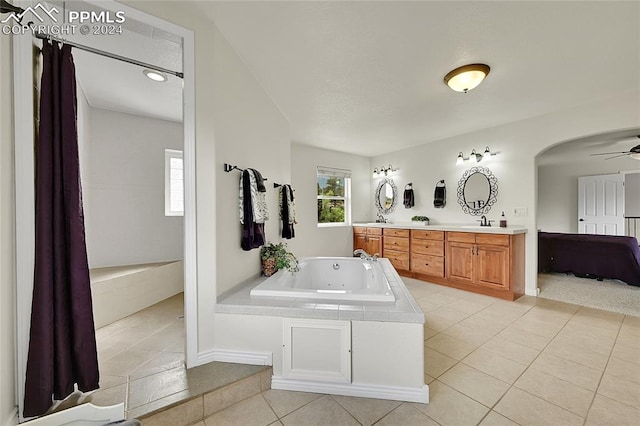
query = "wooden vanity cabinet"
{"x": 486, "y": 263}
{"x": 427, "y": 253}
{"x": 491, "y": 264}
{"x": 396, "y": 248}
{"x": 368, "y": 239}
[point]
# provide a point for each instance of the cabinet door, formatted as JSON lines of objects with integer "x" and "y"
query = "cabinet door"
{"x": 460, "y": 261}
{"x": 374, "y": 244}
{"x": 316, "y": 350}
{"x": 360, "y": 242}
{"x": 492, "y": 266}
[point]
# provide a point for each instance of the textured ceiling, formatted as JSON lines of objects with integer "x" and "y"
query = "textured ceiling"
{"x": 581, "y": 150}
{"x": 366, "y": 77}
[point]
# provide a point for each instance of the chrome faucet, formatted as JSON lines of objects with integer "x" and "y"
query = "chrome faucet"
{"x": 365, "y": 256}
{"x": 381, "y": 219}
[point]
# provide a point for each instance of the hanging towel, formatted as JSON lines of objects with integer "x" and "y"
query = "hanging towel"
{"x": 287, "y": 211}
{"x": 257, "y": 192}
{"x": 440, "y": 195}
{"x": 253, "y": 209}
{"x": 409, "y": 200}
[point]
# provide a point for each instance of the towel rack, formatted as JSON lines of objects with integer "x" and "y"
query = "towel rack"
{"x": 229, "y": 167}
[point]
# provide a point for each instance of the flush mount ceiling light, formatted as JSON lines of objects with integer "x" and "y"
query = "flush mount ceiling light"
{"x": 155, "y": 75}
{"x": 467, "y": 77}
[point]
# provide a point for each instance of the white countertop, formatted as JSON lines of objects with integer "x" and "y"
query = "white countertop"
{"x": 510, "y": 230}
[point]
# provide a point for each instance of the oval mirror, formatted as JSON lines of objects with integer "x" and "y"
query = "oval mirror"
{"x": 477, "y": 191}
{"x": 386, "y": 196}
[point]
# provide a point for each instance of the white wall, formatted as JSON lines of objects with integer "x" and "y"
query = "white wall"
{"x": 558, "y": 190}
{"x": 632, "y": 194}
{"x": 515, "y": 167}
{"x": 250, "y": 132}
{"x": 311, "y": 240}
{"x": 7, "y": 248}
{"x": 84, "y": 136}
{"x": 124, "y": 195}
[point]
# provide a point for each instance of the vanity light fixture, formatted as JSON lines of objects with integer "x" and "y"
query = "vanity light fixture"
{"x": 155, "y": 75}
{"x": 383, "y": 170}
{"x": 474, "y": 157}
{"x": 467, "y": 77}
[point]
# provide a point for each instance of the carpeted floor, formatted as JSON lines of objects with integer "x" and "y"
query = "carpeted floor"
{"x": 609, "y": 295}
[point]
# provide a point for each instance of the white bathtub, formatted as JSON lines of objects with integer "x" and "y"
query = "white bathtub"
{"x": 119, "y": 291}
{"x": 330, "y": 278}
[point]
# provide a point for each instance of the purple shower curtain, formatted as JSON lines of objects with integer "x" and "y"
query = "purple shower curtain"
{"x": 62, "y": 345}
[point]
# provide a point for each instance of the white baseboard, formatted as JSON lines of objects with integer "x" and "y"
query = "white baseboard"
{"x": 12, "y": 420}
{"x": 237, "y": 357}
{"x": 395, "y": 393}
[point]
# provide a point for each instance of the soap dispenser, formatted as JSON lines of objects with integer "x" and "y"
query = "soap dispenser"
{"x": 503, "y": 221}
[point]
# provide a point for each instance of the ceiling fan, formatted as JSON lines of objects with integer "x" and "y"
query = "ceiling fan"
{"x": 633, "y": 153}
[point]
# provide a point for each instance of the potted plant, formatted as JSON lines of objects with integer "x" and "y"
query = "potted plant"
{"x": 420, "y": 219}
{"x": 275, "y": 257}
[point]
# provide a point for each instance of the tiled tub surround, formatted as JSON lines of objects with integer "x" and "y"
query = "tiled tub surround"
{"x": 367, "y": 349}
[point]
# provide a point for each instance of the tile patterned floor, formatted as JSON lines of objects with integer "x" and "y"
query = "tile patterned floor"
{"x": 141, "y": 361}
{"x": 489, "y": 362}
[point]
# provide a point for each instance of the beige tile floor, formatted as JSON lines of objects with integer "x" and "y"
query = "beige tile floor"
{"x": 489, "y": 362}
{"x": 141, "y": 362}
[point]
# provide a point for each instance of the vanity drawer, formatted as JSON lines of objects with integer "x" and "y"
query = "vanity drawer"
{"x": 427, "y": 235}
{"x": 432, "y": 247}
{"x": 392, "y": 232}
{"x": 428, "y": 265}
{"x": 461, "y": 237}
{"x": 494, "y": 239}
{"x": 374, "y": 231}
{"x": 396, "y": 243}
{"x": 398, "y": 259}
{"x": 360, "y": 230}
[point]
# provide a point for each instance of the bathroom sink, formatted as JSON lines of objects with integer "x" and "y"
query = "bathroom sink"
{"x": 475, "y": 227}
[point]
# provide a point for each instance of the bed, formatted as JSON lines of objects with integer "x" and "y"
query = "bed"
{"x": 590, "y": 256}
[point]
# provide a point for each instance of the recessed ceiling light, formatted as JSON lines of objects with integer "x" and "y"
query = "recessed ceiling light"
{"x": 467, "y": 77}
{"x": 155, "y": 75}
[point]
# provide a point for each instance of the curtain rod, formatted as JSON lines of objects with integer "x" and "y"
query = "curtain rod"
{"x": 43, "y": 36}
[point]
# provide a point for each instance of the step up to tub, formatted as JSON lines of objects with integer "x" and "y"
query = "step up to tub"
{"x": 192, "y": 408}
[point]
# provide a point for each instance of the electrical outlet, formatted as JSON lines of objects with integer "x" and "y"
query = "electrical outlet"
{"x": 520, "y": 211}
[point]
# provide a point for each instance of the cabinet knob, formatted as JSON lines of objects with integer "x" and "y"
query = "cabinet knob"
{"x": 426, "y": 264}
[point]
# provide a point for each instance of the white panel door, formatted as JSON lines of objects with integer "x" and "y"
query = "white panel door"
{"x": 601, "y": 204}
{"x": 316, "y": 350}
